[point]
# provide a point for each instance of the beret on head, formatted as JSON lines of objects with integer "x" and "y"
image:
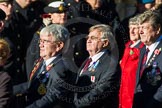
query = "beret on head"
{"x": 56, "y": 7}
{"x": 2, "y": 14}
{"x": 6, "y": 0}
{"x": 145, "y": 1}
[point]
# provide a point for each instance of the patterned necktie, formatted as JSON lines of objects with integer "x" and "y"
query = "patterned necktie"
{"x": 144, "y": 61}
{"x": 87, "y": 64}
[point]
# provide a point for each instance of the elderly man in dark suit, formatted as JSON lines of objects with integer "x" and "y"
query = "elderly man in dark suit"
{"x": 44, "y": 86}
{"x": 148, "y": 92}
{"x": 98, "y": 80}
{"x": 58, "y": 17}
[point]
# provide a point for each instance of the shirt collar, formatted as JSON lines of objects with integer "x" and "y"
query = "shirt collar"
{"x": 97, "y": 56}
{"x": 152, "y": 46}
{"x": 48, "y": 61}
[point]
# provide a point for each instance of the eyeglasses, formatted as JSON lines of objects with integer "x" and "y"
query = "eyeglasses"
{"x": 92, "y": 37}
{"x": 43, "y": 41}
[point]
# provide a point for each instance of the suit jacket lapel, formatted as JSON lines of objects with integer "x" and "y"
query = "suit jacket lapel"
{"x": 153, "y": 57}
{"x": 35, "y": 74}
{"x": 98, "y": 69}
{"x": 79, "y": 71}
{"x": 38, "y": 70}
{"x": 57, "y": 59}
{"x": 142, "y": 52}
{"x": 149, "y": 61}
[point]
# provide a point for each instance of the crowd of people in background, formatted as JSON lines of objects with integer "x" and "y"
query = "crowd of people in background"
{"x": 79, "y": 54}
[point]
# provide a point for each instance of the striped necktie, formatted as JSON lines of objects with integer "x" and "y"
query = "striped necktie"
{"x": 143, "y": 65}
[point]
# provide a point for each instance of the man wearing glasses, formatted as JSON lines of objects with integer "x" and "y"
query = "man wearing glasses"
{"x": 98, "y": 77}
{"x": 43, "y": 88}
{"x": 55, "y": 14}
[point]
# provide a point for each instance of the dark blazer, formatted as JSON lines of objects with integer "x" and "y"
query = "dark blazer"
{"x": 148, "y": 91}
{"x": 98, "y": 87}
{"x": 44, "y": 89}
{"x": 5, "y": 89}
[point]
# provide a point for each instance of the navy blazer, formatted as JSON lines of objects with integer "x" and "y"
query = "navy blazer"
{"x": 148, "y": 92}
{"x": 61, "y": 72}
{"x": 98, "y": 86}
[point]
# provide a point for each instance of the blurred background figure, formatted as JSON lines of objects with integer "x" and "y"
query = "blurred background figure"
{"x": 23, "y": 18}
{"x": 158, "y": 1}
{"x": 158, "y": 7}
{"x": 5, "y": 79}
{"x": 6, "y": 6}
{"x": 2, "y": 20}
{"x": 26, "y": 18}
{"x": 10, "y": 66}
{"x": 143, "y": 5}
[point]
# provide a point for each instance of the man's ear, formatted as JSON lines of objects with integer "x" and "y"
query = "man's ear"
{"x": 2, "y": 25}
{"x": 60, "y": 46}
{"x": 106, "y": 43}
{"x": 158, "y": 29}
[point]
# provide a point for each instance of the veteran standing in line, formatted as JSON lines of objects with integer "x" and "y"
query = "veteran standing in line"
{"x": 98, "y": 77}
{"x": 42, "y": 88}
{"x": 56, "y": 13}
{"x": 148, "y": 90}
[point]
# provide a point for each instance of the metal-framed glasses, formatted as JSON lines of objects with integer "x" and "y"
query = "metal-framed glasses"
{"x": 43, "y": 41}
{"x": 93, "y": 38}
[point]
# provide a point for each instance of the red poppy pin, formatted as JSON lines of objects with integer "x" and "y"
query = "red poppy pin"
{"x": 49, "y": 67}
{"x": 157, "y": 51}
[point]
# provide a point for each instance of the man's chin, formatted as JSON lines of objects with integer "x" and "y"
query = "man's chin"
{"x": 42, "y": 56}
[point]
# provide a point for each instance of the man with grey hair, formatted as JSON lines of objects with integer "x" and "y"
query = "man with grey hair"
{"x": 148, "y": 91}
{"x": 50, "y": 68}
{"x": 98, "y": 77}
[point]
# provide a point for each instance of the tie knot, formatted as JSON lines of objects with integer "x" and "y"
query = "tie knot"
{"x": 147, "y": 50}
{"x": 90, "y": 59}
{"x": 44, "y": 63}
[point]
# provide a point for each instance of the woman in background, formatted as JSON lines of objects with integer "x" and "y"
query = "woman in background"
{"x": 129, "y": 64}
{"x": 5, "y": 79}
